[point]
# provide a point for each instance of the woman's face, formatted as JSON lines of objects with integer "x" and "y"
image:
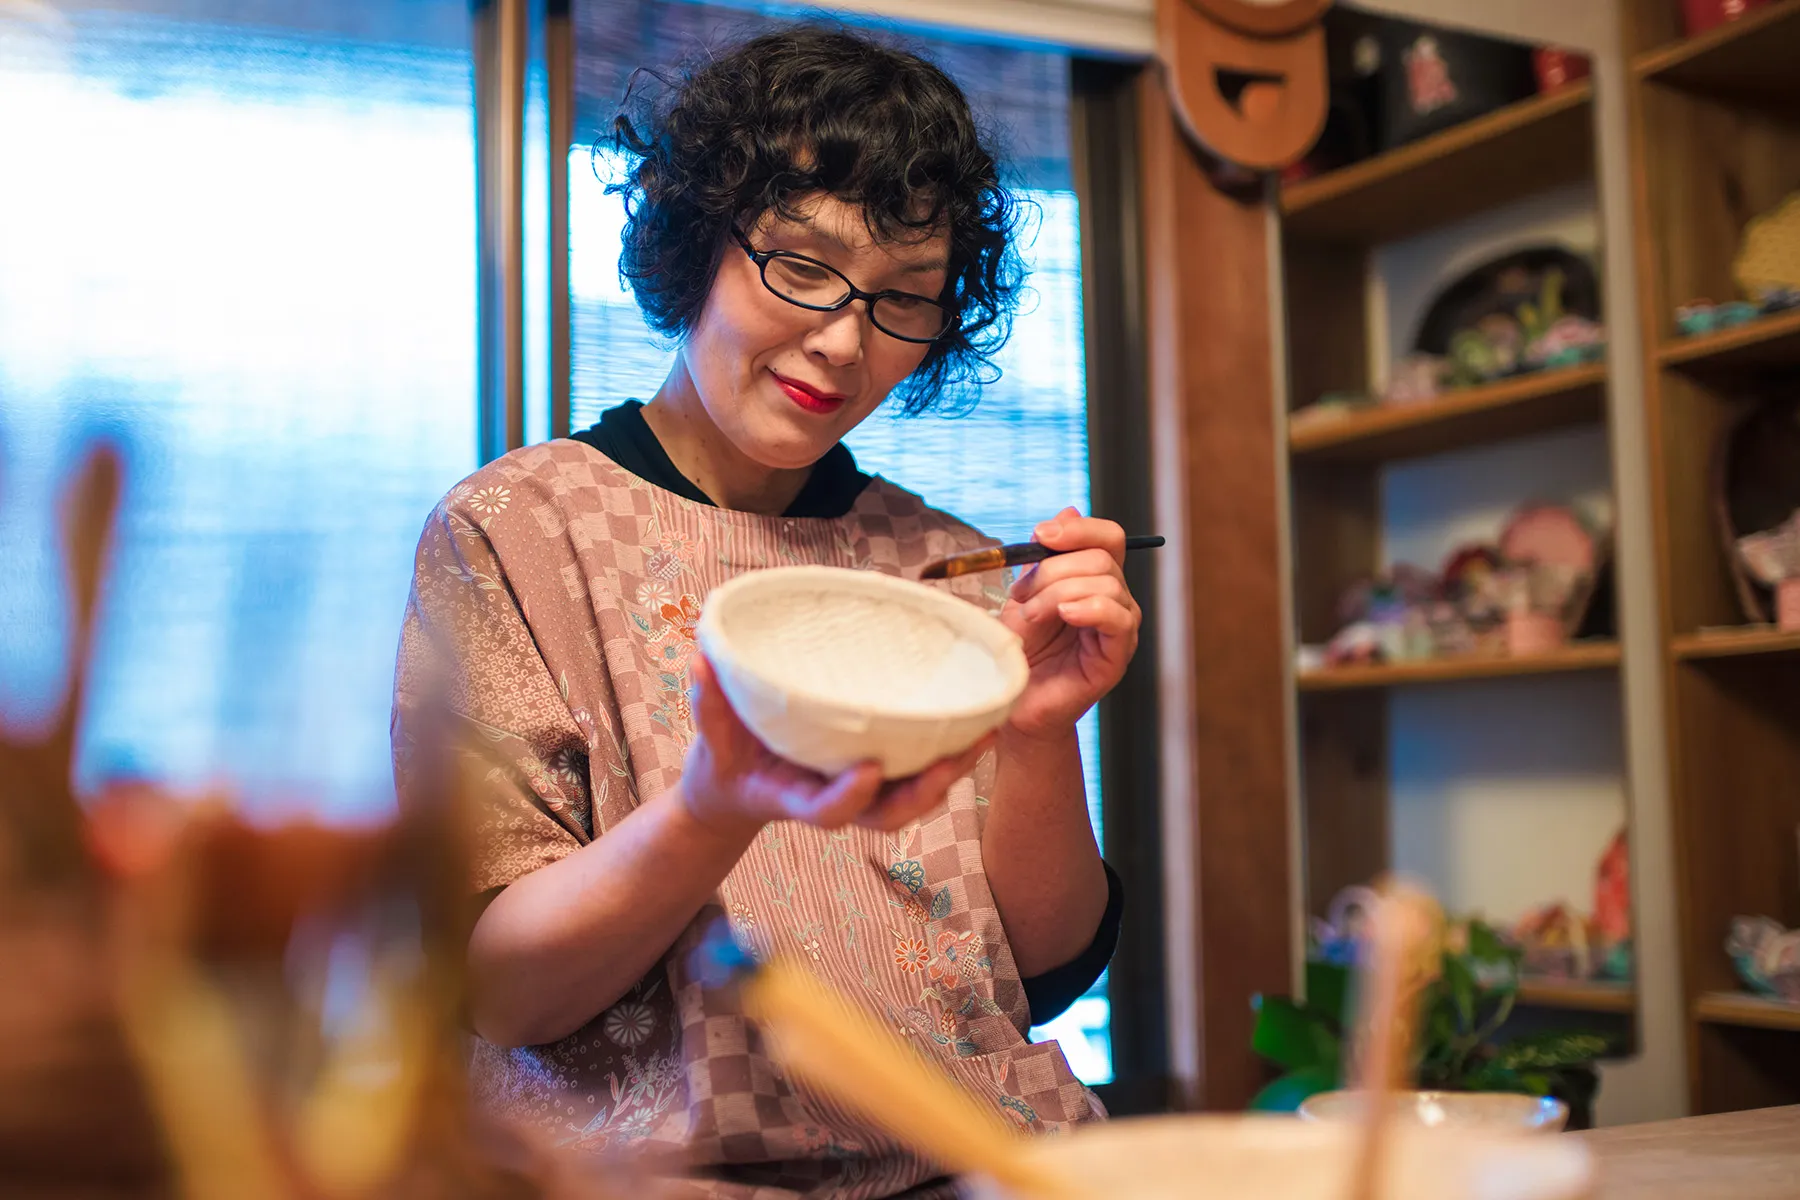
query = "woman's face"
{"x": 783, "y": 383}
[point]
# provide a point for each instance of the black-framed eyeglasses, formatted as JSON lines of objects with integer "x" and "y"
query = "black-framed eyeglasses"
{"x": 808, "y": 283}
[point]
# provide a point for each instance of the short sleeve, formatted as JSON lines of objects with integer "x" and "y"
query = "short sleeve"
{"x": 466, "y": 646}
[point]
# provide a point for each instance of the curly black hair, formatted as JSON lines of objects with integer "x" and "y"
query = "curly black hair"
{"x": 804, "y": 110}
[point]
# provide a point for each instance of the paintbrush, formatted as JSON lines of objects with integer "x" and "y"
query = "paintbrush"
{"x": 1017, "y": 555}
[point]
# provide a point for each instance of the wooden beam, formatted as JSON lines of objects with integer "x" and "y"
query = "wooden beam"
{"x": 1215, "y": 446}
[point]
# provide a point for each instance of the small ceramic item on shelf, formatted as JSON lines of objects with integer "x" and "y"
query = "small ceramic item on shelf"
{"x": 1497, "y": 1112}
{"x": 1416, "y": 378}
{"x": 1612, "y": 910}
{"x": 1773, "y": 558}
{"x": 1556, "y": 943}
{"x": 831, "y": 667}
{"x": 1569, "y": 341}
{"x": 1327, "y": 410}
{"x": 1507, "y": 316}
{"x": 1698, "y": 16}
{"x": 1736, "y": 312}
{"x": 1778, "y": 299}
{"x": 1557, "y": 68}
{"x": 1767, "y": 957}
{"x": 1696, "y": 317}
{"x": 1769, "y": 255}
{"x": 1551, "y": 560}
{"x": 1755, "y": 486}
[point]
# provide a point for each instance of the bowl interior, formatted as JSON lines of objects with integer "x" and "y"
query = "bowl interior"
{"x": 869, "y": 642}
{"x": 1494, "y": 1111}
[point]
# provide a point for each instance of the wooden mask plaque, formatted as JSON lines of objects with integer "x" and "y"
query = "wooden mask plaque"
{"x": 1247, "y": 76}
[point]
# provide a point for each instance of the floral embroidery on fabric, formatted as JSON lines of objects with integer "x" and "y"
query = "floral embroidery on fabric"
{"x": 909, "y": 875}
{"x": 910, "y": 954}
{"x": 648, "y": 1090}
{"x": 654, "y": 593}
{"x": 959, "y": 959}
{"x": 629, "y": 1023}
{"x": 681, "y": 618}
{"x": 490, "y": 500}
{"x": 1020, "y": 1110}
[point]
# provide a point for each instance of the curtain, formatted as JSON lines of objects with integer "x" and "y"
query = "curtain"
{"x": 238, "y": 239}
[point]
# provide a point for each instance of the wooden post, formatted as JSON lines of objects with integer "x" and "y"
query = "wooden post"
{"x": 1216, "y": 467}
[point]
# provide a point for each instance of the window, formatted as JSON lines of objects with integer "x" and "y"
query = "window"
{"x": 1017, "y": 458}
{"x": 244, "y": 246}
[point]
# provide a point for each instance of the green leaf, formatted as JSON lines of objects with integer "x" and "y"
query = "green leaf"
{"x": 1551, "y": 1050}
{"x": 1328, "y": 991}
{"x": 1461, "y": 981}
{"x": 1486, "y": 944}
{"x": 1291, "y": 1036}
{"x": 940, "y": 904}
{"x": 1286, "y": 1093}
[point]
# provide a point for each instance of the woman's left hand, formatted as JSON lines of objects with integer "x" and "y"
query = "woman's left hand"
{"x": 1077, "y": 619}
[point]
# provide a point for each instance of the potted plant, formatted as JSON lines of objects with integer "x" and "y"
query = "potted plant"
{"x": 1462, "y": 1012}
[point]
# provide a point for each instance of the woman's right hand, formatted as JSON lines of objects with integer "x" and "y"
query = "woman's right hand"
{"x": 733, "y": 783}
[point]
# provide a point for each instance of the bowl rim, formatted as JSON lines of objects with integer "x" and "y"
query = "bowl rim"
{"x": 1007, "y": 650}
{"x": 1556, "y": 1109}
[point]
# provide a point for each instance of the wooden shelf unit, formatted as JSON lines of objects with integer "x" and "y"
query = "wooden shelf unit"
{"x": 1579, "y": 656}
{"x": 1716, "y": 141}
{"x": 1734, "y": 643}
{"x": 1471, "y": 417}
{"x": 1769, "y": 344}
{"x": 1330, "y": 227}
{"x": 1578, "y": 995}
{"x": 1748, "y": 61}
{"x": 1746, "y": 1009}
{"x": 1507, "y": 155}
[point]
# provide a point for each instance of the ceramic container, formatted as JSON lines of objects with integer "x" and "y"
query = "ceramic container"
{"x": 831, "y": 667}
{"x": 1490, "y": 1112}
{"x": 1219, "y": 1157}
{"x": 1698, "y": 16}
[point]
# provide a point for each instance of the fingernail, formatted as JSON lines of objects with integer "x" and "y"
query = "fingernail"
{"x": 1047, "y": 530}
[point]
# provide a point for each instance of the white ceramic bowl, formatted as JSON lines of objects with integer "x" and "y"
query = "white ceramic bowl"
{"x": 831, "y": 667}
{"x": 1280, "y": 1158}
{"x": 1495, "y": 1112}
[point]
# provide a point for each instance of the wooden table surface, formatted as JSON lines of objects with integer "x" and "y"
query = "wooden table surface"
{"x": 1736, "y": 1156}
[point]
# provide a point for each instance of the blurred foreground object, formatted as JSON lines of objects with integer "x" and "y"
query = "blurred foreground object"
{"x": 199, "y": 1008}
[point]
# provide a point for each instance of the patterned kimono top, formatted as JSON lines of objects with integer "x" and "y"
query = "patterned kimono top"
{"x": 568, "y": 589}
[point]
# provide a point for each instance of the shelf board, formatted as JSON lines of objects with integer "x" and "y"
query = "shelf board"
{"x": 1579, "y": 995}
{"x": 1750, "y": 59}
{"x": 1742, "y": 1008}
{"x": 1468, "y": 417}
{"x": 1506, "y": 155}
{"x": 1764, "y": 344}
{"x": 1730, "y": 643}
{"x": 1581, "y": 656}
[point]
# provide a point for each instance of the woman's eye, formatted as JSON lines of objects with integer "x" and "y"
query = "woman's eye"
{"x": 801, "y": 271}
{"x": 904, "y": 303}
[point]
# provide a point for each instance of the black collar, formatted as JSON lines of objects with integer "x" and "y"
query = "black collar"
{"x": 624, "y": 436}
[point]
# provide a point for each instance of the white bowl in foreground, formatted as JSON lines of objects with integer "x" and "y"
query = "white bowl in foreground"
{"x": 1281, "y": 1158}
{"x": 1497, "y": 1112}
{"x": 832, "y": 667}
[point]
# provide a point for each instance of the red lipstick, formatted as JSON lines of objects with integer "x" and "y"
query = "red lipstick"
{"x": 810, "y": 398}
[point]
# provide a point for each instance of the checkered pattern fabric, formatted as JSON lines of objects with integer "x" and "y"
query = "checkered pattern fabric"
{"x": 566, "y": 590}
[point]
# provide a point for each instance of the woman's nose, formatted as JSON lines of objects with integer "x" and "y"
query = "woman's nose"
{"x": 839, "y": 336}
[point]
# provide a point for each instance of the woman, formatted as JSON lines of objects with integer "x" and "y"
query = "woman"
{"x": 815, "y": 220}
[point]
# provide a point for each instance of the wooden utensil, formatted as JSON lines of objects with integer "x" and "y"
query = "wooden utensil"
{"x": 860, "y": 1064}
{"x": 1399, "y": 926}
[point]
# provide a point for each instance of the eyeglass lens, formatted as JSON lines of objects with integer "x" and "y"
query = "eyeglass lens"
{"x": 815, "y": 285}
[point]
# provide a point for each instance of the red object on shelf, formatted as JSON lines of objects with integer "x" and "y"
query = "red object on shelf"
{"x": 1559, "y": 68}
{"x": 1698, "y": 16}
{"x": 1787, "y": 606}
